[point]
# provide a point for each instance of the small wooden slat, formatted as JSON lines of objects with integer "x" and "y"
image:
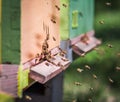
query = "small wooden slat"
{"x": 81, "y": 47}
{"x": 86, "y": 47}
{"x": 8, "y": 79}
{"x": 46, "y": 70}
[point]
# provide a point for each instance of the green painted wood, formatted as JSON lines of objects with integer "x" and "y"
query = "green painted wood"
{"x": 79, "y": 6}
{"x": 11, "y": 31}
{"x": 85, "y": 9}
{"x": 64, "y": 19}
{"x": 89, "y": 10}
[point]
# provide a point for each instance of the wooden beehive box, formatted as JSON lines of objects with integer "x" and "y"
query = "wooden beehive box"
{"x": 25, "y": 27}
{"x": 78, "y": 27}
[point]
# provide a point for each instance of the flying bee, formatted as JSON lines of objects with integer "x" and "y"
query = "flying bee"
{"x": 53, "y": 20}
{"x": 110, "y": 46}
{"x": 110, "y": 80}
{"x": 64, "y": 5}
{"x": 82, "y": 55}
{"x": 74, "y": 101}
{"x": 96, "y": 48}
{"x": 78, "y": 83}
{"x": 108, "y": 3}
{"x": 118, "y": 68}
{"x": 80, "y": 70}
{"x": 88, "y": 67}
{"x": 91, "y": 89}
{"x": 94, "y": 76}
{"x": 36, "y": 60}
{"x": 118, "y": 54}
{"x": 101, "y": 22}
{"x": 89, "y": 100}
{"x": 54, "y": 39}
{"x": 28, "y": 97}
{"x": 58, "y": 8}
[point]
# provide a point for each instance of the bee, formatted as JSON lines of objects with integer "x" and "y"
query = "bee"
{"x": 37, "y": 55}
{"x": 88, "y": 67}
{"x": 62, "y": 54}
{"x": 85, "y": 39}
{"x": 94, "y": 76}
{"x": 64, "y": 59}
{"x": 47, "y": 64}
{"x": 64, "y": 5}
{"x": 58, "y": 8}
{"x": 89, "y": 100}
{"x": 101, "y": 22}
{"x": 96, "y": 48}
{"x": 110, "y": 80}
{"x": 28, "y": 97}
{"x": 74, "y": 101}
{"x": 118, "y": 54}
{"x": 81, "y": 14}
{"x": 118, "y": 68}
{"x": 110, "y": 46}
{"x": 56, "y": 54}
{"x": 78, "y": 83}
{"x": 54, "y": 39}
{"x": 64, "y": 51}
{"x": 108, "y": 3}
{"x": 53, "y": 21}
{"x": 82, "y": 55}
{"x": 59, "y": 64}
{"x": 91, "y": 88}
{"x": 36, "y": 60}
{"x": 80, "y": 70}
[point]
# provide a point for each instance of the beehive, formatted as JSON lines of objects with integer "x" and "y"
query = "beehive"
{"x": 25, "y": 26}
{"x": 78, "y": 25}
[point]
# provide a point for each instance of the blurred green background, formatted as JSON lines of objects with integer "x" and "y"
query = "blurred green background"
{"x": 100, "y": 83}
